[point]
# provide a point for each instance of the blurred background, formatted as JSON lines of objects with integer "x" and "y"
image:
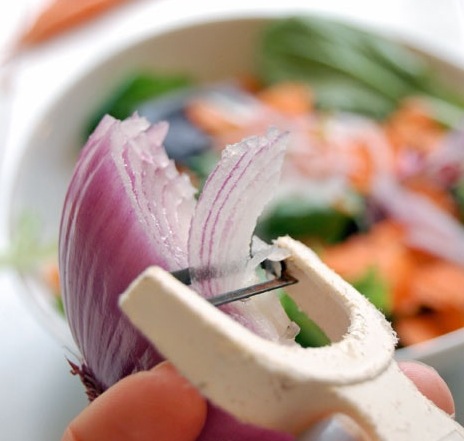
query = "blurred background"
{"x": 37, "y": 393}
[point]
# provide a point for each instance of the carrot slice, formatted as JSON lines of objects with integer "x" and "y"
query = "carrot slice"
{"x": 62, "y": 15}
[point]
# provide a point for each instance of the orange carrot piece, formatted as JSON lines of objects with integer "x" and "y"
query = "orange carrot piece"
{"x": 381, "y": 248}
{"x": 155, "y": 405}
{"x": 413, "y": 127}
{"x": 51, "y": 275}
{"x": 209, "y": 118}
{"x": 62, "y": 15}
{"x": 287, "y": 97}
{"x": 416, "y": 329}
{"x": 362, "y": 174}
{"x": 432, "y": 191}
{"x": 439, "y": 285}
{"x": 423, "y": 327}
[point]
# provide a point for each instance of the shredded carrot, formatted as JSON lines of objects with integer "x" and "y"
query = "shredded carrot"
{"x": 62, "y": 15}
{"x": 383, "y": 250}
{"x": 209, "y": 118}
{"x": 413, "y": 127}
{"x": 249, "y": 82}
{"x": 52, "y": 277}
{"x": 434, "y": 192}
{"x": 361, "y": 175}
{"x": 289, "y": 98}
{"x": 414, "y": 329}
{"x": 423, "y": 327}
{"x": 439, "y": 285}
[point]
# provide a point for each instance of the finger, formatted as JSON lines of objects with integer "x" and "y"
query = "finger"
{"x": 153, "y": 405}
{"x": 430, "y": 384}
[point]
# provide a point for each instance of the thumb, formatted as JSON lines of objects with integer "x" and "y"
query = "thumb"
{"x": 157, "y": 404}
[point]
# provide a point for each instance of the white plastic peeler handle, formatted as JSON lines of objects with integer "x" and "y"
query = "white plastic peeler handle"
{"x": 288, "y": 388}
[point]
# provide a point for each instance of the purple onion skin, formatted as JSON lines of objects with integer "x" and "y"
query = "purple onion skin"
{"x": 221, "y": 426}
{"x": 109, "y": 250}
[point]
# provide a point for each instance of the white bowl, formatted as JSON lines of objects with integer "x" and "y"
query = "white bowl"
{"x": 209, "y": 47}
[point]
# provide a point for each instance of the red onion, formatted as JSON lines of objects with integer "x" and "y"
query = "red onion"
{"x": 446, "y": 165}
{"x": 127, "y": 207}
{"x": 427, "y": 227}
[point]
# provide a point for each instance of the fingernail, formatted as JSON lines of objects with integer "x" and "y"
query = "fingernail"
{"x": 334, "y": 428}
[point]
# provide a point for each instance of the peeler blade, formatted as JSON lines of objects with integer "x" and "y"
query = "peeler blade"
{"x": 280, "y": 279}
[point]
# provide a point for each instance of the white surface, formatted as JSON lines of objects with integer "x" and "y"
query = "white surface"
{"x": 38, "y": 396}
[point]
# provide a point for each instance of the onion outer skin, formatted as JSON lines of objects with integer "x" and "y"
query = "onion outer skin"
{"x": 103, "y": 247}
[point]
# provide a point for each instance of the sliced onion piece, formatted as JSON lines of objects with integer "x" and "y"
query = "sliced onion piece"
{"x": 232, "y": 199}
{"x": 427, "y": 226}
{"x": 446, "y": 164}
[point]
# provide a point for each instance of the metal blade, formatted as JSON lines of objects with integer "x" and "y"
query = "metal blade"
{"x": 281, "y": 281}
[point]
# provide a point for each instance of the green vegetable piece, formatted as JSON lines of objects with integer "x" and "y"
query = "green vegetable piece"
{"x": 370, "y": 285}
{"x": 27, "y": 250}
{"x": 301, "y": 219}
{"x": 202, "y": 165}
{"x": 351, "y": 69}
{"x": 458, "y": 195}
{"x": 59, "y": 305}
{"x": 310, "y": 334}
{"x": 376, "y": 289}
{"x": 133, "y": 91}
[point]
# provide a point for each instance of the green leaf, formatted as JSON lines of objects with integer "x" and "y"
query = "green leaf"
{"x": 351, "y": 69}
{"x": 302, "y": 219}
{"x": 370, "y": 285}
{"x": 376, "y": 289}
{"x": 26, "y": 249}
{"x": 458, "y": 195}
{"x": 136, "y": 89}
{"x": 310, "y": 334}
{"x": 202, "y": 165}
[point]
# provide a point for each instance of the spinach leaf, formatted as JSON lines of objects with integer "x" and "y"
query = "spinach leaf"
{"x": 310, "y": 334}
{"x": 458, "y": 195}
{"x": 376, "y": 289}
{"x": 302, "y": 219}
{"x": 351, "y": 69}
{"x": 136, "y": 89}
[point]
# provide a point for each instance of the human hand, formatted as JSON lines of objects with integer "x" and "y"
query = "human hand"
{"x": 160, "y": 404}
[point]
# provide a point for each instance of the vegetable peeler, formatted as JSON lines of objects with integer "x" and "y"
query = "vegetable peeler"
{"x": 288, "y": 388}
